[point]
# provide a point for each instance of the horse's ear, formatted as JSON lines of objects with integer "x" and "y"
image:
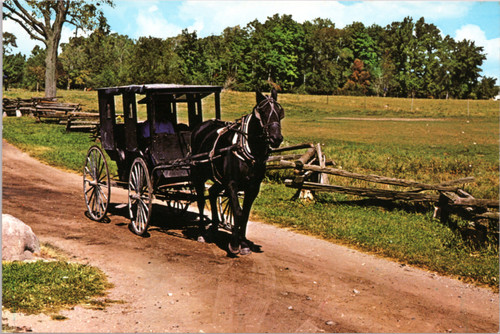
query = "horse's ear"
{"x": 259, "y": 96}
{"x": 274, "y": 94}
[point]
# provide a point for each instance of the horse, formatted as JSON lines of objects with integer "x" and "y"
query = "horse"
{"x": 237, "y": 155}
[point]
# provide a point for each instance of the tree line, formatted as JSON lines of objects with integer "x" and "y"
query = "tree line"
{"x": 403, "y": 59}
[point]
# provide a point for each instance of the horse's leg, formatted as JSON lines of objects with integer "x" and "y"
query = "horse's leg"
{"x": 250, "y": 195}
{"x": 232, "y": 193}
{"x": 200, "y": 199}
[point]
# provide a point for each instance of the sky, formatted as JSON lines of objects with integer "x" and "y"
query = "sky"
{"x": 478, "y": 21}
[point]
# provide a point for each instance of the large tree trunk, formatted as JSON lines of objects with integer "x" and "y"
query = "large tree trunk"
{"x": 52, "y": 43}
{"x": 50, "y": 69}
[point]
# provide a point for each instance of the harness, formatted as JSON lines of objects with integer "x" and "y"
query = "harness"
{"x": 240, "y": 138}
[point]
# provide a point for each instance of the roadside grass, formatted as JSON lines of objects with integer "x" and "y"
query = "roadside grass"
{"x": 50, "y": 285}
{"x": 400, "y": 231}
{"x": 48, "y": 142}
{"x": 461, "y": 140}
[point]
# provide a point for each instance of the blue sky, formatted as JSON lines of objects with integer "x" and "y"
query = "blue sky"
{"x": 474, "y": 20}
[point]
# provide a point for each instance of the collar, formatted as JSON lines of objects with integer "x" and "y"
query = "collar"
{"x": 243, "y": 152}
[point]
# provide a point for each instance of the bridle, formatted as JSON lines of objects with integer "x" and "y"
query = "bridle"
{"x": 266, "y": 125}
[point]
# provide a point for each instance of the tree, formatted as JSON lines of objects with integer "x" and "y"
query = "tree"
{"x": 321, "y": 70}
{"x": 153, "y": 60}
{"x": 359, "y": 80}
{"x": 75, "y": 62}
{"x": 277, "y": 45}
{"x": 35, "y": 68}
{"x": 13, "y": 64}
{"x": 468, "y": 59}
{"x": 43, "y": 21}
{"x": 486, "y": 89}
{"x": 235, "y": 47}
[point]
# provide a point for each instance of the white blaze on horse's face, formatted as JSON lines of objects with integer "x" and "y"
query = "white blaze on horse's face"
{"x": 270, "y": 114}
{"x": 274, "y": 128}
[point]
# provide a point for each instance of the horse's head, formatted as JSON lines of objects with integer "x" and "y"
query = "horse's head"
{"x": 270, "y": 113}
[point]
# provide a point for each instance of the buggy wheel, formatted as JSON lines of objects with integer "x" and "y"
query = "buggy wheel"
{"x": 178, "y": 206}
{"x": 181, "y": 204}
{"x": 140, "y": 197}
{"x": 225, "y": 211}
{"x": 96, "y": 183}
{"x": 226, "y": 216}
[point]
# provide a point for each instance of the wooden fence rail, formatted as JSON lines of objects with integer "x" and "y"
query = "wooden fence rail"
{"x": 50, "y": 110}
{"x": 310, "y": 166}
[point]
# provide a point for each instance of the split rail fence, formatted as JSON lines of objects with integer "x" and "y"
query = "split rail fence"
{"x": 311, "y": 170}
{"x": 50, "y": 110}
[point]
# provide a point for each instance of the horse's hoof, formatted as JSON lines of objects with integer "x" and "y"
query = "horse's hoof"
{"x": 232, "y": 250}
{"x": 201, "y": 239}
{"x": 245, "y": 251}
{"x": 245, "y": 247}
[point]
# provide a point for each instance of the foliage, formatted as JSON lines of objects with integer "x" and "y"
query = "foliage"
{"x": 35, "y": 69}
{"x": 404, "y": 59}
{"x": 359, "y": 81}
{"x": 13, "y": 64}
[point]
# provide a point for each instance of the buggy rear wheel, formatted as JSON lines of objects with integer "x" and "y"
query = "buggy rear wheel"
{"x": 140, "y": 197}
{"x": 225, "y": 211}
{"x": 96, "y": 183}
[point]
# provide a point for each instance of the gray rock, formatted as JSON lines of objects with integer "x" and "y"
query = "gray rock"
{"x": 19, "y": 243}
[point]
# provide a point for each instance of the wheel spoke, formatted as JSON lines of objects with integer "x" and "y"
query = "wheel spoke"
{"x": 103, "y": 198}
{"x": 145, "y": 207}
{"x": 92, "y": 194}
{"x": 140, "y": 196}
{"x": 89, "y": 170}
{"x": 96, "y": 183}
{"x": 93, "y": 201}
{"x": 140, "y": 217}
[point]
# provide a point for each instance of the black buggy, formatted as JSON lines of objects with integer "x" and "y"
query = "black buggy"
{"x": 152, "y": 156}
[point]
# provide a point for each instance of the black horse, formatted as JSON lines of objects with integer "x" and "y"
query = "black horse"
{"x": 237, "y": 153}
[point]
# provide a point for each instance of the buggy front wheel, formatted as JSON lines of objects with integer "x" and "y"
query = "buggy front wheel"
{"x": 140, "y": 197}
{"x": 96, "y": 183}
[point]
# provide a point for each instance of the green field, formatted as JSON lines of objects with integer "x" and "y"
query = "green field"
{"x": 430, "y": 141}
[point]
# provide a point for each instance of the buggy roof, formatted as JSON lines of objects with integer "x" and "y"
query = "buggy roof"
{"x": 162, "y": 88}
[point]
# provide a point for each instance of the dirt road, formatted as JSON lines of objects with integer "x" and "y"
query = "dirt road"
{"x": 171, "y": 283}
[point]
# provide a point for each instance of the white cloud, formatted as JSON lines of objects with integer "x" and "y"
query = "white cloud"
{"x": 151, "y": 22}
{"x": 24, "y": 42}
{"x": 491, "y": 47}
{"x": 217, "y": 15}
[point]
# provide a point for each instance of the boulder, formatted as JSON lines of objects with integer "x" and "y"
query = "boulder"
{"x": 19, "y": 243}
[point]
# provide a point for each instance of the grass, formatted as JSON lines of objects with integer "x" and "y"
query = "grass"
{"x": 460, "y": 140}
{"x": 48, "y": 287}
{"x": 404, "y": 232}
